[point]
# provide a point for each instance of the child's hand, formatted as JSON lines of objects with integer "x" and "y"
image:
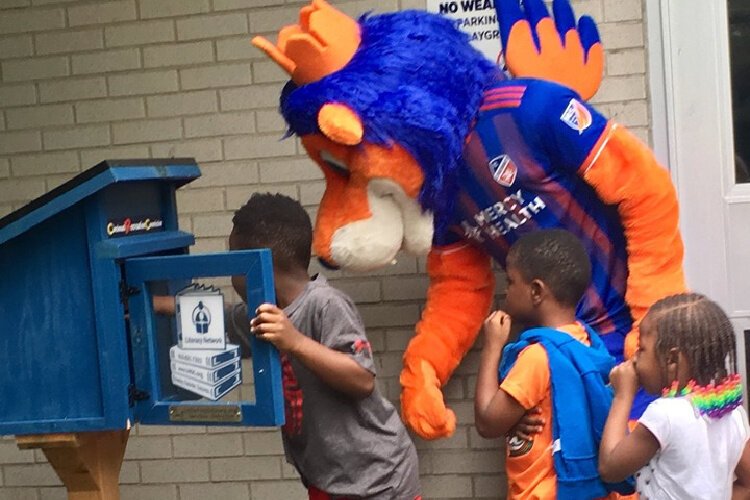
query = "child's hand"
{"x": 624, "y": 378}
{"x": 163, "y": 304}
{"x": 272, "y": 325}
{"x": 497, "y": 329}
{"x": 531, "y": 423}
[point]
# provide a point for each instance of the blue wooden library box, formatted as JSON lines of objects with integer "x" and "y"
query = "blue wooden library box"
{"x": 81, "y": 348}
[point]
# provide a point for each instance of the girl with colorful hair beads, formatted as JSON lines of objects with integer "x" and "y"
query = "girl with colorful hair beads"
{"x": 692, "y": 443}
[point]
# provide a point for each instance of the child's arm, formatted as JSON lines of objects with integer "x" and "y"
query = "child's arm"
{"x": 531, "y": 423}
{"x": 495, "y": 411}
{"x": 334, "y": 368}
{"x": 622, "y": 454}
{"x": 163, "y": 304}
{"x": 741, "y": 487}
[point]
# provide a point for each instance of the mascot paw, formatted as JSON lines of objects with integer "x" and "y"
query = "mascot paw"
{"x": 422, "y": 405}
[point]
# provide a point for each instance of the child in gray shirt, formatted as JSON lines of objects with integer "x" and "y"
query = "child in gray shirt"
{"x": 345, "y": 439}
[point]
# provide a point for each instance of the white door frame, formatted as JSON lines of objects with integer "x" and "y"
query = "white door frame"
{"x": 692, "y": 133}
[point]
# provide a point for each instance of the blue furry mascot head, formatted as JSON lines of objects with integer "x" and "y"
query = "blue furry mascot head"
{"x": 427, "y": 147}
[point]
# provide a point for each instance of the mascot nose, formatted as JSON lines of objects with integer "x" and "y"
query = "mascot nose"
{"x": 328, "y": 265}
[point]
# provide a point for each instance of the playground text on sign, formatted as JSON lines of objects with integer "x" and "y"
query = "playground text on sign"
{"x": 476, "y": 18}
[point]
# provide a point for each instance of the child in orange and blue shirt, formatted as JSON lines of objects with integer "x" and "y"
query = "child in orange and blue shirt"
{"x": 559, "y": 366}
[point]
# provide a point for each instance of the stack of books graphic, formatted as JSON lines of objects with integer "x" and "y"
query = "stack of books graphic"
{"x": 207, "y": 373}
{"x": 202, "y": 362}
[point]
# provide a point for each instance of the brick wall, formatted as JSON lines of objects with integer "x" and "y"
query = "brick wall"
{"x": 86, "y": 80}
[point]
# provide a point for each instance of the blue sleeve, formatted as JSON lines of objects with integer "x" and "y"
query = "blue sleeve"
{"x": 559, "y": 126}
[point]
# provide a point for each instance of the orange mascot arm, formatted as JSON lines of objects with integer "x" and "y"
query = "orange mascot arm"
{"x": 458, "y": 300}
{"x": 624, "y": 172}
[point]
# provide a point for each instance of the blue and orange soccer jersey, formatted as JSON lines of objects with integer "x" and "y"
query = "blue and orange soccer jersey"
{"x": 523, "y": 124}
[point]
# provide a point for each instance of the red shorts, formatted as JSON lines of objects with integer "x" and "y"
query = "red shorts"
{"x": 314, "y": 493}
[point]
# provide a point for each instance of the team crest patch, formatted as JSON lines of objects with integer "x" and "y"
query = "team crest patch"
{"x": 576, "y": 116}
{"x": 517, "y": 446}
{"x": 503, "y": 170}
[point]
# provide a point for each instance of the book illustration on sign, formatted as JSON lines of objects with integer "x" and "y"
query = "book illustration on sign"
{"x": 204, "y": 358}
{"x": 209, "y": 391}
{"x": 203, "y": 362}
{"x": 206, "y": 375}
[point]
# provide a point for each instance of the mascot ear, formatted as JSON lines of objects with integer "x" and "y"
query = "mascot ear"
{"x": 340, "y": 124}
{"x": 559, "y": 51}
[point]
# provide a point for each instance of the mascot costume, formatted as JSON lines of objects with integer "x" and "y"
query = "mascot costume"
{"x": 428, "y": 147}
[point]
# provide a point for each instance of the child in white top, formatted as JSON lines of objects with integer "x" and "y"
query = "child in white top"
{"x": 693, "y": 441}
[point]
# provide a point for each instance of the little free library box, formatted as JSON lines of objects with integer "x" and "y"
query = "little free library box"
{"x": 81, "y": 348}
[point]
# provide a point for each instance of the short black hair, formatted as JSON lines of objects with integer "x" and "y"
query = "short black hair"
{"x": 558, "y": 259}
{"x": 277, "y": 222}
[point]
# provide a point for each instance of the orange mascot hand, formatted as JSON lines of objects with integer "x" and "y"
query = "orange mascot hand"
{"x": 458, "y": 299}
{"x": 559, "y": 50}
{"x": 422, "y": 405}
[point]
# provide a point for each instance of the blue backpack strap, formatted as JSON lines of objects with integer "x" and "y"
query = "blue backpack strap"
{"x": 531, "y": 336}
{"x": 509, "y": 357}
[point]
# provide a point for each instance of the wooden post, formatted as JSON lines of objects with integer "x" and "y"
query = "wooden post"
{"x": 88, "y": 463}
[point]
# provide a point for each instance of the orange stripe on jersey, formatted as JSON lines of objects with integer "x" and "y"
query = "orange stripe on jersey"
{"x": 496, "y": 95}
{"x": 507, "y": 103}
{"x": 514, "y": 88}
{"x": 503, "y": 97}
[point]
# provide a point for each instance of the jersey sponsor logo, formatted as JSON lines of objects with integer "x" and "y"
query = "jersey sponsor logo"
{"x": 504, "y": 171}
{"x": 518, "y": 447}
{"x": 503, "y": 217}
{"x": 576, "y": 116}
